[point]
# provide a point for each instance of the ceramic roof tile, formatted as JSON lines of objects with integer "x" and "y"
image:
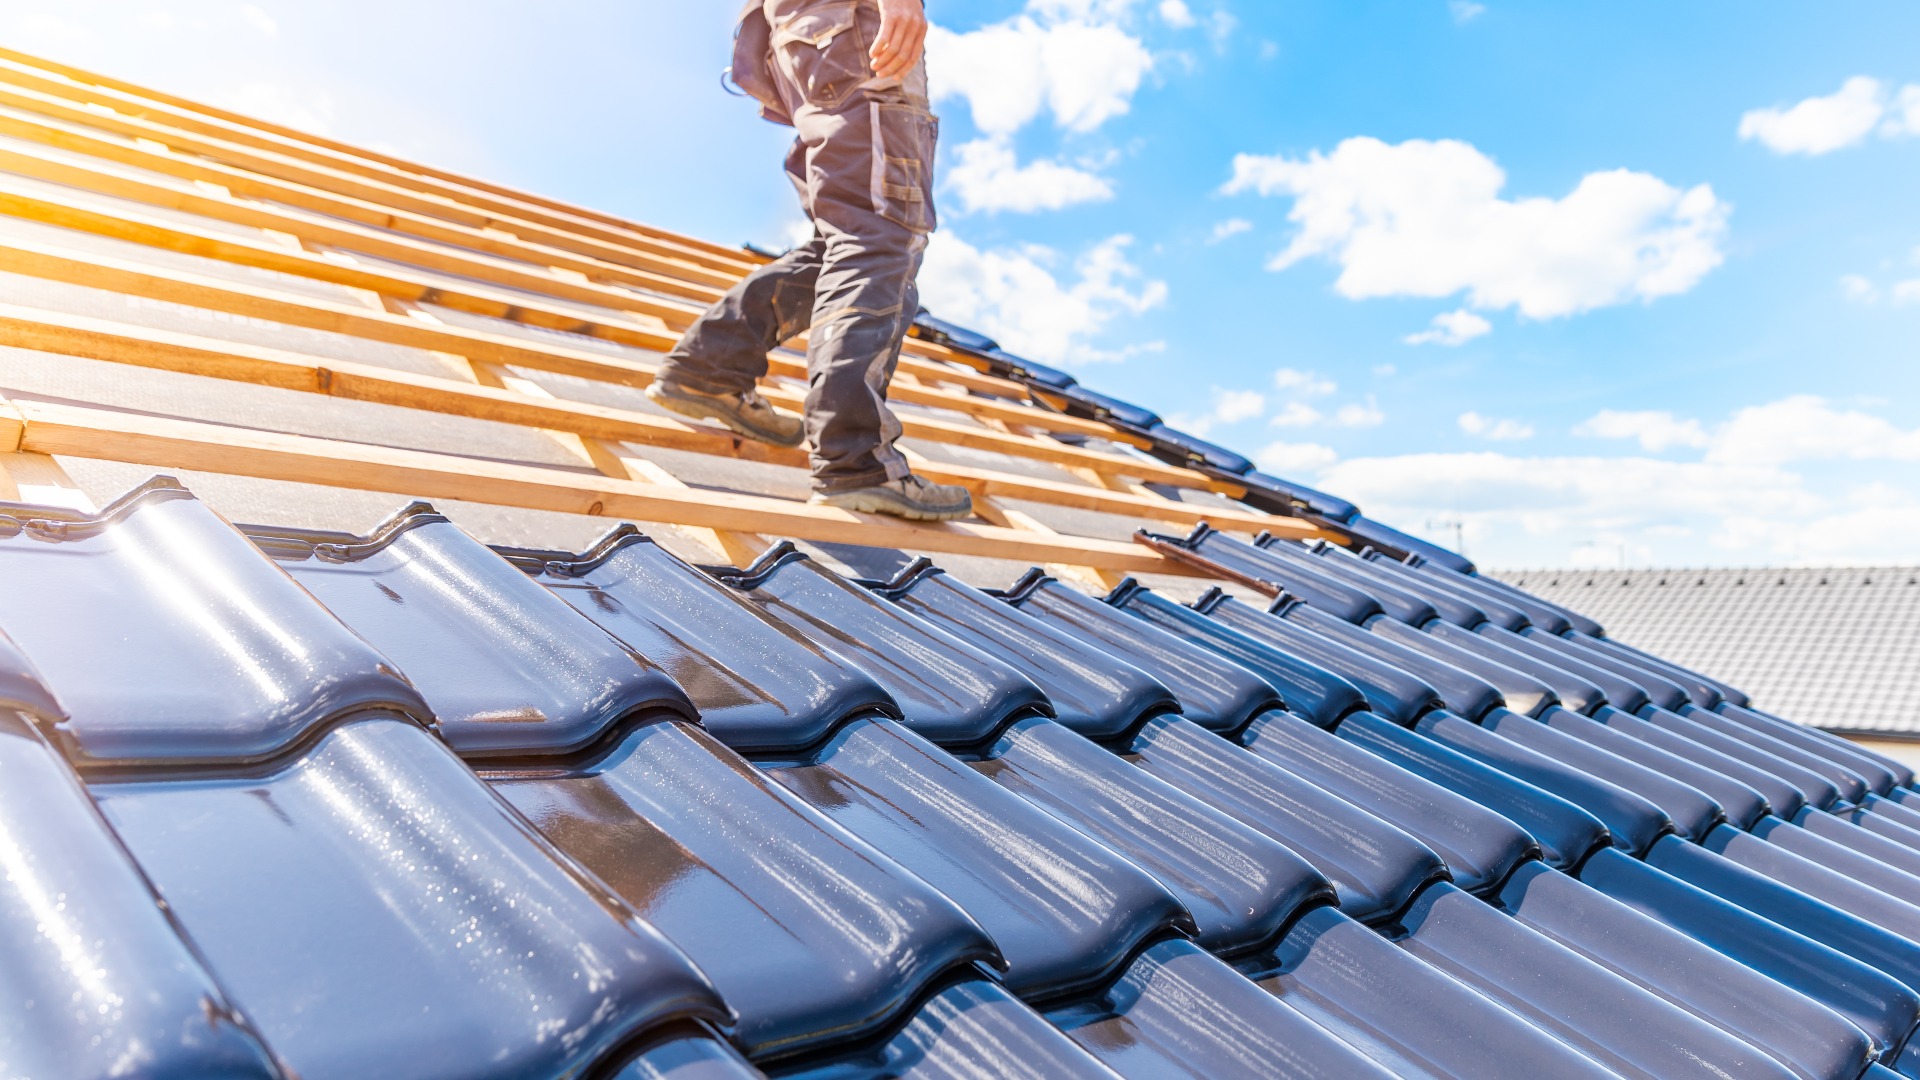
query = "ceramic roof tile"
{"x": 167, "y": 637}
{"x": 1761, "y": 630}
{"x": 508, "y": 668}
{"x": 395, "y": 804}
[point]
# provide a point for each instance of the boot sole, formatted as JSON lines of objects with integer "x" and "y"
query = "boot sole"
{"x": 862, "y": 503}
{"x": 700, "y": 410}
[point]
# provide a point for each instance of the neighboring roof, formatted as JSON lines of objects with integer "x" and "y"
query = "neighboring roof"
{"x": 1837, "y": 648}
{"x": 494, "y": 787}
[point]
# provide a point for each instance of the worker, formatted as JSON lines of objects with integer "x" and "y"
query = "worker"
{"x": 850, "y": 77}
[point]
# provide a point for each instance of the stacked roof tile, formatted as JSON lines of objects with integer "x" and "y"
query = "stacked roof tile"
{"x": 420, "y": 807}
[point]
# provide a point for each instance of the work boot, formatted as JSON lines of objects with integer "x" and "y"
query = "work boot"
{"x": 747, "y": 413}
{"x": 911, "y": 497}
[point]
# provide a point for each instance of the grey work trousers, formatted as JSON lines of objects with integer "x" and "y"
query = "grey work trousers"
{"x": 863, "y": 166}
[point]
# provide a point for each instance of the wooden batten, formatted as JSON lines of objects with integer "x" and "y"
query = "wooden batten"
{"x": 401, "y": 240}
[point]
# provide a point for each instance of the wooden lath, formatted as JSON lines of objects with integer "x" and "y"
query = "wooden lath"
{"x": 495, "y": 394}
{"x": 85, "y": 86}
{"x": 319, "y": 237}
{"x": 400, "y": 240}
{"x": 167, "y": 123}
{"x": 385, "y": 324}
{"x": 53, "y": 428}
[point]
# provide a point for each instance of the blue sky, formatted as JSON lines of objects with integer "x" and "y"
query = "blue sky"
{"x": 1580, "y": 283}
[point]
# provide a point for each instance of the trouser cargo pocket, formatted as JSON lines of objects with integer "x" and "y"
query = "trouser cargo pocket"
{"x": 823, "y": 54}
{"x": 904, "y": 136}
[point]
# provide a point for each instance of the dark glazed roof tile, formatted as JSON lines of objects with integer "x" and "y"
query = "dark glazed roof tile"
{"x": 1572, "y": 690}
{"x": 691, "y": 1056}
{"x": 810, "y": 934}
{"x": 1093, "y": 692}
{"x": 1464, "y": 692}
{"x": 1637, "y": 1032}
{"x": 973, "y": 1028}
{"x": 1499, "y": 610}
{"x": 1873, "y": 1001}
{"x": 1742, "y": 803}
{"x": 1662, "y": 691}
{"x": 948, "y": 691}
{"x": 169, "y": 638}
{"x": 507, "y": 666}
{"x": 1621, "y": 692}
{"x": 1692, "y": 811}
{"x": 1878, "y": 775}
{"x": 1633, "y": 820}
{"x": 94, "y": 979}
{"x": 1375, "y": 867}
{"x": 1309, "y": 690}
{"x": 1786, "y": 904}
{"x": 1407, "y": 1014}
{"x": 1065, "y": 911}
{"x": 1479, "y": 590}
{"x": 21, "y": 689}
{"x": 1567, "y": 833}
{"x": 1214, "y": 692}
{"x": 1414, "y": 606}
{"x": 1780, "y": 796}
{"x": 1390, "y": 691}
{"x": 1402, "y": 545}
{"x": 1270, "y": 573}
{"x": 759, "y": 686}
{"x": 1479, "y": 847}
{"x": 1178, "y": 1012}
{"x": 1239, "y": 885}
{"x": 1796, "y": 1030}
{"x": 1522, "y": 690}
{"x": 374, "y": 887}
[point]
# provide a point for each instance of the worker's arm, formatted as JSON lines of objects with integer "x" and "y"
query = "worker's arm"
{"x": 903, "y": 33}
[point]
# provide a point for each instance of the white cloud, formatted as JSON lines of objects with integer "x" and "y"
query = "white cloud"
{"x": 1220, "y": 27}
{"x": 1295, "y": 458}
{"x": 1486, "y": 427}
{"x": 1465, "y": 11}
{"x": 1840, "y": 478}
{"x": 987, "y": 177}
{"x": 1230, "y": 228}
{"x": 1233, "y": 406}
{"x": 1903, "y": 118}
{"x": 1425, "y": 218}
{"x": 1858, "y": 289}
{"x": 259, "y": 20}
{"x": 1385, "y": 371}
{"x": 1304, "y": 383}
{"x": 1808, "y": 428}
{"x": 1296, "y": 414}
{"x": 1176, "y": 13}
{"x": 1819, "y": 125}
{"x": 1083, "y": 72}
{"x": 1367, "y": 415}
{"x": 1229, "y": 407}
{"x": 1572, "y": 498}
{"x": 1452, "y": 328}
{"x": 1015, "y": 295}
{"x": 1907, "y": 292}
{"x": 1655, "y": 431}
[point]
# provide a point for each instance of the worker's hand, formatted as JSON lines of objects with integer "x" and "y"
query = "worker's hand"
{"x": 903, "y": 34}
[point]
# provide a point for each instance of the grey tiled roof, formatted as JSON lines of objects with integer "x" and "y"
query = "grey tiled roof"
{"x": 1835, "y": 648}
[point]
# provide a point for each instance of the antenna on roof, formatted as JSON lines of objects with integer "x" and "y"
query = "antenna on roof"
{"x": 1459, "y": 528}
